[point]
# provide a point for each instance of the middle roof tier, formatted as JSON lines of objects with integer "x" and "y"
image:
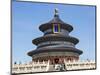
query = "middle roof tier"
{"x": 55, "y": 37}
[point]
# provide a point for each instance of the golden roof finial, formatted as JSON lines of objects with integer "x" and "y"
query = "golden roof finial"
{"x": 56, "y": 11}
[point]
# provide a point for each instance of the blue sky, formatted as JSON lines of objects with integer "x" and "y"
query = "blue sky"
{"x": 28, "y": 16}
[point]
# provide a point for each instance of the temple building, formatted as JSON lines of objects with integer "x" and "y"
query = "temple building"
{"x": 56, "y": 44}
{"x": 55, "y": 50}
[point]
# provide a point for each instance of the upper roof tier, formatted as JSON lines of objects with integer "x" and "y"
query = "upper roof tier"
{"x": 55, "y": 20}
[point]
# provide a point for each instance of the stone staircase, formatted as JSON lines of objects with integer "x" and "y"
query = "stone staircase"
{"x": 57, "y": 67}
{"x": 51, "y": 68}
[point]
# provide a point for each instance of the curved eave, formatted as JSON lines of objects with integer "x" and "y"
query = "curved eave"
{"x": 42, "y": 50}
{"x": 46, "y": 26}
{"x": 55, "y": 37}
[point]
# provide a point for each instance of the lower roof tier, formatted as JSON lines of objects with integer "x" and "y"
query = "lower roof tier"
{"x": 43, "y": 50}
{"x": 55, "y": 37}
